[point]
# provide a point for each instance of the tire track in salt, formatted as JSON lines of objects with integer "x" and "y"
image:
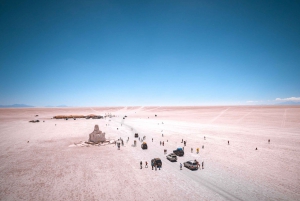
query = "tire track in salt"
{"x": 214, "y": 119}
{"x": 198, "y": 179}
{"x": 239, "y": 120}
{"x": 283, "y": 119}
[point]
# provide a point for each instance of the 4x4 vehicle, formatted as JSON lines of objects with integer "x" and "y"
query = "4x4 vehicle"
{"x": 179, "y": 151}
{"x": 172, "y": 157}
{"x": 136, "y": 135}
{"x": 192, "y": 165}
{"x": 157, "y": 162}
{"x": 144, "y": 145}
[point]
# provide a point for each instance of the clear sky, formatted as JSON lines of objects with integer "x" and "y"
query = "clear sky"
{"x": 113, "y": 53}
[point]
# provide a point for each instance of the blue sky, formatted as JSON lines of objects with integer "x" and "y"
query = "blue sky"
{"x": 113, "y": 53}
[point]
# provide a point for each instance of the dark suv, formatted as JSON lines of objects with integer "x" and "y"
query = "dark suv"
{"x": 156, "y": 161}
{"x": 179, "y": 152}
{"x": 144, "y": 145}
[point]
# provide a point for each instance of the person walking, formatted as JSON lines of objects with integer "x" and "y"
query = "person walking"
{"x": 159, "y": 142}
{"x": 152, "y": 139}
{"x": 163, "y": 143}
{"x": 155, "y": 167}
{"x": 202, "y": 164}
{"x": 228, "y": 142}
{"x": 141, "y": 163}
{"x": 180, "y": 166}
{"x": 191, "y": 150}
{"x": 146, "y": 166}
{"x": 269, "y": 141}
{"x": 152, "y": 164}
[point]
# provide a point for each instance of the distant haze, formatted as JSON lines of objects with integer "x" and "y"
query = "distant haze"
{"x": 113, "y": 53}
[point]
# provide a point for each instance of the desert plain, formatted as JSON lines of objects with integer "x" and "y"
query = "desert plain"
{"x": 43, "y": 161}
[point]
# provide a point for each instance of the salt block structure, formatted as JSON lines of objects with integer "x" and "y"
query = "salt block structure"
{"x": 97, "y": 136}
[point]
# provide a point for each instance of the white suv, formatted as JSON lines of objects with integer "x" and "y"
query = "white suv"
{"x": 192, "y": 165}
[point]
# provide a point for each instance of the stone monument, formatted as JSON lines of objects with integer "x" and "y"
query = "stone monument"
{"x": 97, "y": 136}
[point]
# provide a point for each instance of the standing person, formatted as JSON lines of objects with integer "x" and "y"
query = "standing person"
{"x": 163, "y": 143}
{"x": 152, "y": 164}
{"x": 197, "y": 163}
{"x": 146, "y": 166}
{"x": 180, "y": 166}
{"x": 228, "y": 142}
{"x": 155, "y": 167}
{"x": 269, "y": 141}
{"x": 192, "y": 150}
{"x": 202, "y": 164}
{"x": 141, "y": 163}
{"x": 182, "y": 141}
{"x": 159, "y": 142}
{"x": 204, "y": 137}
{"x": 152, "y": 139}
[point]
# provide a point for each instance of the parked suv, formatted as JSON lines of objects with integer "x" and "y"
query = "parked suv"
{"x": 156, "y": 161}
{"x": 179, "y": 151}
{"x": 172, "y": 157}
{"x": 144, "y": 145}
{"x": 192, "y": 165}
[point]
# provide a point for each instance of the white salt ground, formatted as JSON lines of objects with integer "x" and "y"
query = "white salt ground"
{"x": 52, "y": 167}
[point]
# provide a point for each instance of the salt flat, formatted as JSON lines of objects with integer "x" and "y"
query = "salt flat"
{"x": 49, "y": 168}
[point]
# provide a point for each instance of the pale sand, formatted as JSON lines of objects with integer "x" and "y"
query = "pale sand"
{"x": 48, "y": 168}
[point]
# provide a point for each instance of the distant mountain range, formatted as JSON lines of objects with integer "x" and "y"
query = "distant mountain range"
{"x": 56, "y": 106}
{"x": 25, "y": 106}
{"x": 15, "y": 106}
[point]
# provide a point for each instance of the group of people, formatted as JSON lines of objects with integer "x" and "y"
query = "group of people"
{"x": 197, "y": 149}
{"x": 146, "y": 165}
